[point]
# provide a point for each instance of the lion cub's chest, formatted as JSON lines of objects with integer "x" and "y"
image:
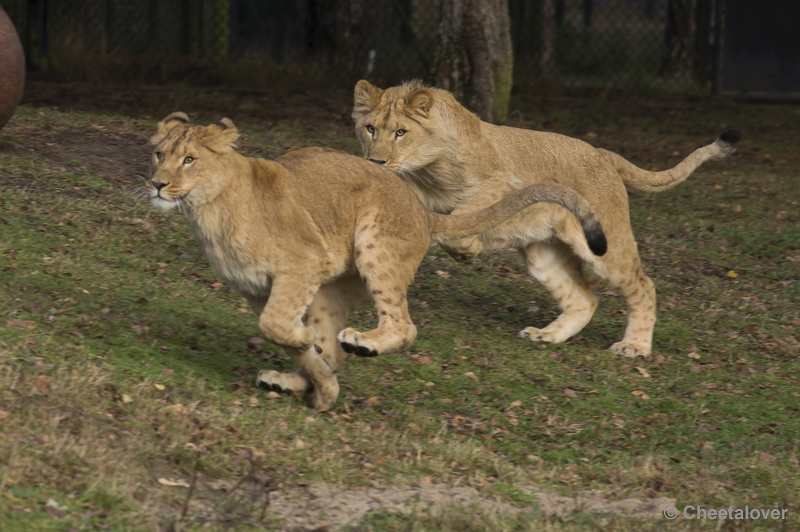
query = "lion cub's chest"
{"x": 241, "y": 269}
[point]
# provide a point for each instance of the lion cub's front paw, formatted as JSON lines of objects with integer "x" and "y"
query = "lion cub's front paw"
{"x": 463, "y": 250}
{"x": 629, "y": 350}
{"x": 349, "y": 338}
{"x": 539, "y": 335}
{"x": 282, "y": 382}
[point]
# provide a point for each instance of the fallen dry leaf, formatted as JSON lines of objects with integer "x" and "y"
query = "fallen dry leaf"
{"x": 415, "y": 429}
{"x": 4, "y": 415}
{"x": 732, "y": 274}
{"x": 21, "y": 324}
{"x": 43, "y": 383}
{"x": 422, "y": 360}
{"x": 426, "y": 481}
{"x": 471, "y": 375}
{"x": 173, "y": 482}
{"x": 177, "y": 408}
{"x": 160, "y": 387}
{"x": 126, "y": 398}
{"x": 372, "y": 401}
{"x": 299, "y": 444}
{"x": 570, "y": 393}
{"x": 694, "y": 355}
{"x": 516, "y": 403}
{"x": 640, "y": 394}
{"x": 273, "y": 395}
{"x": 643, "y": 372}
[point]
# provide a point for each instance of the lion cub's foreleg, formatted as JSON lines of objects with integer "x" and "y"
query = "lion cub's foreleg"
{"x": 481, "y": 195}
{"x": 558, "y": 270}
{"x": 281, "y": 322}
{"x": 327, "y": 314}
{"x": 463, "y": 249}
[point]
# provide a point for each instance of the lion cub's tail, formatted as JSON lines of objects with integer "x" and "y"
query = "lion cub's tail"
{"x": 646, "y": 181}
{"x": 463, "y": 225}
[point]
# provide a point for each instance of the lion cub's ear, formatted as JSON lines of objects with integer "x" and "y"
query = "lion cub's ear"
{"x": 220, "y": 137}
{"x": 366, "y": 97}
{"x": 420, "y": 101}
{"x": 164, "y": 127}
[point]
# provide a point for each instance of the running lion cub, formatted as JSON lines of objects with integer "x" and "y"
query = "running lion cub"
{"x": 309, "y": 235}
{"x": 455, "y": 163}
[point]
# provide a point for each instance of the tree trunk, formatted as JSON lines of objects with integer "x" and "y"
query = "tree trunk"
{"x": 334, "y": 30}
{"x": 475, "y": 60}
{"x": 679, "y": 39}
{"x": 548, "y": 59}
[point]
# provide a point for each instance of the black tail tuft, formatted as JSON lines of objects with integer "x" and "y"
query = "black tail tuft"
{"x": 731, "y": 136}
{"x": 596, "y": 239}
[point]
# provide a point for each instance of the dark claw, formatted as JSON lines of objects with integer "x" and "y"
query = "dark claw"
{"x": 359, "y": 350}
{"x": 362, "y": 351}
{"x": 272, "y": 387}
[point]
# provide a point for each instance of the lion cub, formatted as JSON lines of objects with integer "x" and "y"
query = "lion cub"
{"x": 455, "y": 163}
{"x": 307, "y": 236}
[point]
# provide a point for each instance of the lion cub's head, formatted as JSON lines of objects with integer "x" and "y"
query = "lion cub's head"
{"x": 189, "y": 161}
{"x": 395, "y": 126}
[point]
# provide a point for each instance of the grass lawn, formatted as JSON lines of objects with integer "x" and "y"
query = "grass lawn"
{"x": 126, "y": 368}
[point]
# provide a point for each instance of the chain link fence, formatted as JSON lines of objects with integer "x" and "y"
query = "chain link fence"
{"x": 627, "y": 45}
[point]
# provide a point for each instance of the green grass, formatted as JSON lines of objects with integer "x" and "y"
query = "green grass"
{"x": 123, "y": 360}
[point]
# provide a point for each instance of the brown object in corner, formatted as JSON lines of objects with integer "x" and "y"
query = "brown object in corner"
{"x": 12, "y": 68}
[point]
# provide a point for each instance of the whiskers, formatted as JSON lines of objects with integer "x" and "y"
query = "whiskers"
{"x": 181, "y": 204}
{"x": 139, "y": 194}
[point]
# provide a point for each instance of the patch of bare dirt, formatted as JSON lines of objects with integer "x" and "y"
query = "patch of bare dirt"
{"x": 322, "y": 505}
{"x": 108, "y": 151}
{"x": 312, "y": 108}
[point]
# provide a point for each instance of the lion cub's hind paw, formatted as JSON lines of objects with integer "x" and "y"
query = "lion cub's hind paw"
{"x": 629, "y": 350}
{"x": 350, "y": 343}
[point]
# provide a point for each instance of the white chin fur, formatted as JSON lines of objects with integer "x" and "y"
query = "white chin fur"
{"x": 164, "y": 205}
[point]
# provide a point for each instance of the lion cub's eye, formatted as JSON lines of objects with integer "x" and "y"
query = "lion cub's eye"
{"x": 400, "y": 132}
{"x": 188, "y": 160}
{"x": 371, "y": 130}
{"x": 159, "y": 155}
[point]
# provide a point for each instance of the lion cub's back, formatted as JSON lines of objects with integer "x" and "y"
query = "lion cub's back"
{"x": 329, "y": 171}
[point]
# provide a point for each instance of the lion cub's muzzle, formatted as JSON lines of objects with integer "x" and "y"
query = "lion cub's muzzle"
{"x": 159, "y": 196}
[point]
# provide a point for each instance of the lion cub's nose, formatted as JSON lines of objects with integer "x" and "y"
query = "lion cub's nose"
{"x": 378, "y": 161}
{"x": 158, "y": 185}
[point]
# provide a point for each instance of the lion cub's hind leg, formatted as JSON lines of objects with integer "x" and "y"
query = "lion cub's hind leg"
{"x": 559, "y": 270}
{"x": 626, "y": 276}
